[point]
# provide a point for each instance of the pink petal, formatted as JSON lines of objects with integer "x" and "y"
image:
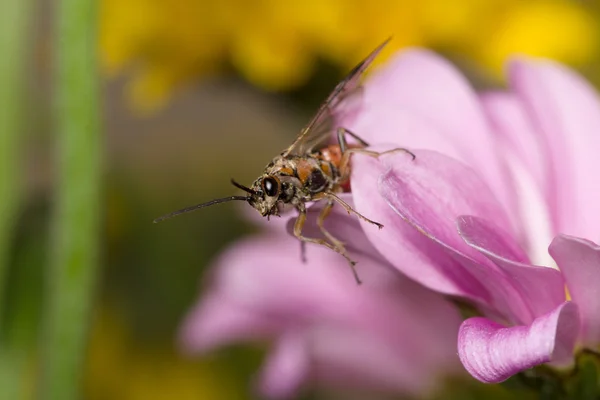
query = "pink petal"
{"x": 386, "y": 299}
{"x": 565, "y": 110}
{"x": 216, "y": 321}
{"x": 522, "y": 148}
{"x": 516, "y": 134}
{"x": 287, "y": 368}
{"x": 541, "y": 288}
{"x": 579, "y": 261}
{"x": 403, "y": 246}
{"x": 385, "y": 123}
{"x": 433, "y": 190}
{"x": 267, "y": 273}
{"x": 421, "y": 101}
{"x": 429, "y": 193}
{"x": 493, "y": 353}
{"x": 349, "y": 357}
{"x": 352, "y": 358}
{"x": 398, "y": 335}
{"x": 490, "y": 240}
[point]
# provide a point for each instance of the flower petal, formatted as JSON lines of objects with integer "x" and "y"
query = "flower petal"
{"x": 266, "y": 280}
{"x": 516, "y": 133}
{"x": 388, "y": 123}
{"x": 429, "y": 193}
{"x": 579, "y": 261}
{"x": 433, "y": 190}
{"x": 352, "y": 358}
{"x": 542, "y": 288}
{"x": 523, "y": 151}
{"x": 287, "y": 368}
{"x": 403, "y": 246}
{"x": 217, "y": 321}
{"x": 493, "y": 353}
{"x": 566, "y": 111}
{"x": 410, "y": 87}
{"x": 260, "y": 272}
{"x": 266, "y": 274}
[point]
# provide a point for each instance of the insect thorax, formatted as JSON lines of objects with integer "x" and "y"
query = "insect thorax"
{"x": 303, "y": 177}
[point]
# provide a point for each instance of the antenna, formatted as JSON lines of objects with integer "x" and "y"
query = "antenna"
{"x": 244, "y": 188}
{"x": 198, "y": 206}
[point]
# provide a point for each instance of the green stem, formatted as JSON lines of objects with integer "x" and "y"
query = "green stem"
{"x": 14, "y": 40}
{"x": 77, "y": 207}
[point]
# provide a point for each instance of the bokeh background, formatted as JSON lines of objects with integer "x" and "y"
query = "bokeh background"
{"x": 194, "y": 92}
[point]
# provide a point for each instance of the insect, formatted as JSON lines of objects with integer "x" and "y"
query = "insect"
{"x": 311, "y": 169}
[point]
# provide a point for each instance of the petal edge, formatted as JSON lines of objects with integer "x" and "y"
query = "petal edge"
{"x": 579, "y": 261}
{"x": 492, "y": 353}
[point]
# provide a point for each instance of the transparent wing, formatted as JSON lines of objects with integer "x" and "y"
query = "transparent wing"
{"x": 318, "y": 130}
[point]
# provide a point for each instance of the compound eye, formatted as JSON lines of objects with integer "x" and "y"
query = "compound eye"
{"x": 271, "y": 186}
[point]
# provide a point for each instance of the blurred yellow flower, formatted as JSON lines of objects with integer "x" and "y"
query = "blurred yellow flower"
{"x": 276, "y": 44}
{"x": 550, "y": 29}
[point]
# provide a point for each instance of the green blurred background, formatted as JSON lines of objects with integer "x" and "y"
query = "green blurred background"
{"x": 192, "y": 93}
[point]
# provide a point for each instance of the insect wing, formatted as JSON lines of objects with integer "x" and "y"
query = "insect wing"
{"x": 317, "y": 132}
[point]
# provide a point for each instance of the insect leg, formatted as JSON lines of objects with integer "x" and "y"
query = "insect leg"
{"x": 320, "y": 221}
{"x": 341, "y": 137}
{"x": 348, "y": 153}
{"x": 378, "y": 154}
{"x": 350, "y": 210}
{"x": 345, "y": 161}
{"x": 299, "y": 224}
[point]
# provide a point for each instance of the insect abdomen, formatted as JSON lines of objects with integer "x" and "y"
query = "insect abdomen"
{"x": 317, "y": 181}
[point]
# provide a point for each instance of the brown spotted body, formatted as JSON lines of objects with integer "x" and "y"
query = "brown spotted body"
{"x": 300, "y": 179}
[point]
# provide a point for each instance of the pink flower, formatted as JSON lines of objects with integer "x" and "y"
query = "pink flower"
{"x": 388, "y": 334}
{"x": 496, "y": 177}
